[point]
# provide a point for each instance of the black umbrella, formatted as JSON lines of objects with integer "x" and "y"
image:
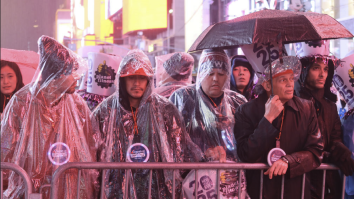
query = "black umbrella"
{"x": 270, "y": 26}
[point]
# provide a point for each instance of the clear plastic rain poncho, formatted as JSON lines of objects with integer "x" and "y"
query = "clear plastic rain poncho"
{"x": 45, "y": 112}
{"x": 208, "y": 122}
{"x": 173, "y": 71}
{"x": 160, "y": 128}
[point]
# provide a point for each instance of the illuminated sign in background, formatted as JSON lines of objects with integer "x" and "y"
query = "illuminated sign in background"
{"x": 144, "y": 15}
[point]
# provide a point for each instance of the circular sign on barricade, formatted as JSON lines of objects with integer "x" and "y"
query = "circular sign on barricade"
{"x": 207, "y": 184}
{"x": 138, "y": 152}
{"x": 274, "y": 155}
{"x": 59, "y": 153}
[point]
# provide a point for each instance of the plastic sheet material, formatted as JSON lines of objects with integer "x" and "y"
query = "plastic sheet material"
{"x": 289, "y": 63}
{"x": 173, "y": 71}
{"x": 160, "y": 128}
{"x": 270, "y": 26}
{"x": 209, "y": 125}
{"x": 45, "y": 112}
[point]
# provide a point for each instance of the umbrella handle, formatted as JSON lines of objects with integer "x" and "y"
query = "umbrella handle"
{"x": 270, "y": 73}
{"x": 280, "y": 45}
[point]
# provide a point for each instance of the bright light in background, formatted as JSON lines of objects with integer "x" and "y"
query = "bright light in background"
{"x": 170, "y": 11}
{"x": 91, "y": 16}
{"x": 144, "y": 15}
{"x": 237, "y": 8}
{"x": 79, "y": 13}
{"x": 113, "y": 6}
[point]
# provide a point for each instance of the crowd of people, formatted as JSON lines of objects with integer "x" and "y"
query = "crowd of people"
{"x": 225, "y": 116}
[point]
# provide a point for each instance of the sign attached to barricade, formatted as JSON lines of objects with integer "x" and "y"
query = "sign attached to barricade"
{"x": 258, "y": 54}
{"x": 343, "y": 80}
{"x": 138, "y": 152}
{"x": 59, "y": 153}
{"x": 102, "y": 73}
{"x": 320, "y": 47}
{"x": 207, "y": 184}
{"x": 274, "y": 155}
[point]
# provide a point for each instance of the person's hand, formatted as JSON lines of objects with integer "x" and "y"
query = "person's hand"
{"x": 217, "y": 153}
{"x": 346, "y": 166}
{"x": 278, "y": 168}
{"x": 273, "y": 108}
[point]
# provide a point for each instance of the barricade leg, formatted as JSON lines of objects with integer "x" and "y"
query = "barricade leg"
{"x": 173, "y": 185}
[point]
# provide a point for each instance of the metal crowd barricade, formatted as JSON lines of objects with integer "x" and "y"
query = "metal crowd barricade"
{"x": 26, "y": 179}
{"x": 174, "y": 167}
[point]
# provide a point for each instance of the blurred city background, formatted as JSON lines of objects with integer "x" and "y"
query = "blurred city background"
{"x": 154, "y": 26}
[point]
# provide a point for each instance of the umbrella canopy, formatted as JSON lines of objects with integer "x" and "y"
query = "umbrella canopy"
{"x": 265, "y": 25}
{"x": 27, "y": 61}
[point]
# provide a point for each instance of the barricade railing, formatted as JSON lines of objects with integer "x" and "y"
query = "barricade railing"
{"x": 26, "y": 178}
{"x": 176, "y": 166}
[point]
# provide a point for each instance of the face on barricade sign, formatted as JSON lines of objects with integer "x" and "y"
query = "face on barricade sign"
{"x": 59, "y": 153}
{"x": 138, "y": 152}
{"x": 207, "y": 184}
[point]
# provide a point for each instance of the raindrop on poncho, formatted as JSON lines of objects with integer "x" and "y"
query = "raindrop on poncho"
{"x": 45, "y": 112}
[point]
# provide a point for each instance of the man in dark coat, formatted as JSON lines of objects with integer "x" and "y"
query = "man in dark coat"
{"x": 314, "y": 84}
{"x": 259, "y": 123}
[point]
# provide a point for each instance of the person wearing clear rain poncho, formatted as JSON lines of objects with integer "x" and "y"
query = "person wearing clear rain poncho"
{"x": 208, "y": 107}
{"x": 45, "y": 112}
{"x": 173, "y": 71}
{"x": 135, "y": 115}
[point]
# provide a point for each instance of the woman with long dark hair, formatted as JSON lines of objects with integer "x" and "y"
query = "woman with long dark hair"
{"x": 11, "y": 82}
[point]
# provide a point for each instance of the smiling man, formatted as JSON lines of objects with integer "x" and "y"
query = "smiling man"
{"x": 287, "y": 118}
{"x": 314, "y": 84}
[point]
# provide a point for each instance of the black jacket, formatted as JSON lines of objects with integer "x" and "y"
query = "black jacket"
{"x": 300, "y": 139}
{"x": 330, "y": 126}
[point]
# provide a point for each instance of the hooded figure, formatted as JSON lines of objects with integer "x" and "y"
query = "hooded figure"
{"x": 45, "y": 112}
{"x": 173, "y": 71}
{"x": 236, "y": 62}
{"x": 209, "y": 119}
{"x": 314, "y": 84}
{"x": 154, "y": 122}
